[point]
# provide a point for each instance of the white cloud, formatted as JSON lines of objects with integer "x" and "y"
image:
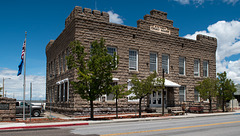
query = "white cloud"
{"x": 200, "y": 2}
{"x": 231, "y": 1}
{"x": 228, "y": 36}
{"x": 14, "y": 86}
{"x": 114, "y": 17}
{"x": 183, "y": 1}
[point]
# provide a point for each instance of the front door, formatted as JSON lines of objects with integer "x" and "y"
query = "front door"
{"x": 156, "y": 99}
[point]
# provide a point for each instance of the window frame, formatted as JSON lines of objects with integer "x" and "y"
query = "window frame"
{"x": 156, "y": 61}
{"x": 166, "y": 72}
{"x": 131, "y": 60}
{"x": 184, "y": 65}
{"x": 198, "y": 72}
{"x": 198, "y": 96}
{"x": 184, "y": 93}
{"x": 206, "y": 69}
{"x": 115, "y": 48}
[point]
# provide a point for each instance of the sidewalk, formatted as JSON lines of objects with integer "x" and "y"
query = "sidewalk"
{"x": 78, "y": 121}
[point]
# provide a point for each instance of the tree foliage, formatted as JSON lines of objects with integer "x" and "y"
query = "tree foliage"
{"x": 226, "y": 88}
{"x": 144, "y": 87}
{"x": 94, "y": 72}
{"x": 119, "y": 92}
{"x": 208, "y": 90}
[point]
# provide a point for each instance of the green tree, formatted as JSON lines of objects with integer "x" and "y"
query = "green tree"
{"x": 144, "y": 87}
{"x": 0, "y": 91}
{"x": 208, "y": 90}
{"x": 226, "y": 88}
{"x": 94, "y": 73}
{"x": 119, "y": 92}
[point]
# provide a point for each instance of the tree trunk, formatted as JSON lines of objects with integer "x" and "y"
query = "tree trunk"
{"x": 210, "y": 104}
{"x": 92, "y": 111}
{"x": 223, "y": 103}
{"x": 116, "y": 108}
{"x": 140, "y": 107}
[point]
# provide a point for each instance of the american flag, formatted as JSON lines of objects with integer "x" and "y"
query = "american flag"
{"x": 22, "y": 57}
{"x": 23, "y": 49}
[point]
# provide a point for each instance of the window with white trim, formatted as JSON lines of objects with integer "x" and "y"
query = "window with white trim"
{"x": 165, "y": 63}
{"x": 63, "y": 90}
{"x": 196, "y": 96}
{"x": 182, "y": 94}
{"x": 205, "y": 68}
{"x": 153, "y": 62}
{"x": 196, "y": 67}
{"x": 181, "y": 65}
{"x": 111, "y": 50}
{"x": 133, "y": 60}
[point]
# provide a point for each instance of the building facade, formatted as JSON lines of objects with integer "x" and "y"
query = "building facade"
{"x": 151, "y": 46}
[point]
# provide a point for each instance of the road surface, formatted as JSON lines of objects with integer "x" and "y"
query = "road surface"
{"x": 201, "y": 126}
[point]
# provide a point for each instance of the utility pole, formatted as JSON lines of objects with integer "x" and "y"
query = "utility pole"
{"x": 163, "y": 95}
{"x": 3, "y": 86}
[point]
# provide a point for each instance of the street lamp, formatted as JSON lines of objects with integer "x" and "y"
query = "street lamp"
{"x": 3, "y": 85}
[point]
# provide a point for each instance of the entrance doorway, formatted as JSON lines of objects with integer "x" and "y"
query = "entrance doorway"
{"x": 156, "y": 99}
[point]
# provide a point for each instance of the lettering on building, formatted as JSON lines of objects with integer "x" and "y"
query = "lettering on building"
{"x": 159, "y": 29}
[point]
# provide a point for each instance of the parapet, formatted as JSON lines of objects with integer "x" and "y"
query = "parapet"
{"x": 87, "y": 13}
{"x": 201, "y": 37}
{"x": 49, "y": 45}
{"x": 159, "y": 14}
{"x": 157, "y": 21}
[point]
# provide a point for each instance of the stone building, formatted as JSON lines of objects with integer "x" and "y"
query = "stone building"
{"x": 151, "y": 46}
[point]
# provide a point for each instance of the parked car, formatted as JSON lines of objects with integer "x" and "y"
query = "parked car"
{"x": 36, "y": 110}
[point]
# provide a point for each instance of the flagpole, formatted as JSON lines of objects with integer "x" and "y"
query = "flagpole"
{"x": 24, "y": 78}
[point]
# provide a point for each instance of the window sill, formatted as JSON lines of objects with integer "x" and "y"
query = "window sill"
{"x": 182, "y": 75}
{"x": 133, "y": 72}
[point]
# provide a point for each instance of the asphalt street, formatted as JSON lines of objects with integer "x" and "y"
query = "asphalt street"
{"x": 208, "y": 126}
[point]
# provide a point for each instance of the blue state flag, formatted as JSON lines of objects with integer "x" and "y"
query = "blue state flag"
{"x": 22, "y": 57}
{"x": 20, "y": 68}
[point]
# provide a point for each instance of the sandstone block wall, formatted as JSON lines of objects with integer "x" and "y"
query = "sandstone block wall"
{"x": 7, "y": 109}
{"x": 155, "y": 33}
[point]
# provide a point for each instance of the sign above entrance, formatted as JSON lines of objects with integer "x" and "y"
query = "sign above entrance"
{"x": 159, "y": 29}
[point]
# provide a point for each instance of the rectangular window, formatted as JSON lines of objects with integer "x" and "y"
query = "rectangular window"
{"x": 182, "y": 96}
{"x": 53, "y": 94}
{"x": 181, "y": 66}
{"x": 62, "y": 94}
{"x": 66, "y": 59}
{"x": 54, "y": 63}
{"x": 51, "y": 69}
{"x": 205, "y": 68}
{"x": 153, "y": 62}
{"x": 59, "y": 63}
{"x": 196, "y": 67}
{"x": 58, "y": 93}
{"x": 133, "y": 60}
{"x": 165, "y": 63}
{"x": 111, "y": 50}
{"x": 196, "y": 96}
{"x": 63, "y": 57}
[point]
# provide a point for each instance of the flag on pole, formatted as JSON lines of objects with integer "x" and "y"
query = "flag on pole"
{"x": 22, "y": 58}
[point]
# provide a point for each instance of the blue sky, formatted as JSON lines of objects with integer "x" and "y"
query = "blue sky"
{"x": 44, "y": 20}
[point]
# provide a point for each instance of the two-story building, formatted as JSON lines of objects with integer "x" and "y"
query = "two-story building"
{"x": 151, "y": 46}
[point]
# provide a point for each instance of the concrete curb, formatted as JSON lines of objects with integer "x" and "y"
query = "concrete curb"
{"x": 43, "y": 126}
{"x": 16, "y": 126}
